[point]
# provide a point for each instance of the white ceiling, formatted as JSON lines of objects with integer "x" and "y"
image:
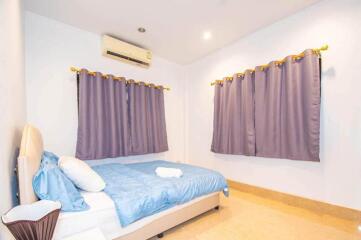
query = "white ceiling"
{"x": 174, "y": 27}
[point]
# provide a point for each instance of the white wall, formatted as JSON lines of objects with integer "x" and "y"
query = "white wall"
{"x": 337, "y": 178}
{"x": 12, "y": 100}
{"x": 51, "y": 48}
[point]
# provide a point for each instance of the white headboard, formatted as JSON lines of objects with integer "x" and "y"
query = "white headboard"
{"x": 31, "y": 150}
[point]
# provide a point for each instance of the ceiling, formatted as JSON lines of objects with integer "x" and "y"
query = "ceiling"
{"x": 174, "y": 28}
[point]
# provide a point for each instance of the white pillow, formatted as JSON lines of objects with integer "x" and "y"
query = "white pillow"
{"x": 81, "y": 174}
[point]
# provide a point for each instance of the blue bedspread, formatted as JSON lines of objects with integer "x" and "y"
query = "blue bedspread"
{"x": 138, "y": 192}
{"x": 195, "y": 182}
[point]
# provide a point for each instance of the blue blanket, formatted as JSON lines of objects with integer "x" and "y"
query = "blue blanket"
{"x": 195, "y": 182}
{"x": 138, "y": 192}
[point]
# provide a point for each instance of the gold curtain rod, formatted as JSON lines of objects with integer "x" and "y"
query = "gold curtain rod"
{"x": 77, "y": 70}
{"x": 278, "y": 62}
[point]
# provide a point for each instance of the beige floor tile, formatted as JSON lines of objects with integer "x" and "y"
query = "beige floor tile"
{"x": 248, "y": 217}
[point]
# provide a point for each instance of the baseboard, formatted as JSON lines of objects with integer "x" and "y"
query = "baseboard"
{"x": 292, "y": 200}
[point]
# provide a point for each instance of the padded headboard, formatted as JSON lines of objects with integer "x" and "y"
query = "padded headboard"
{"x": 31, "y": 150}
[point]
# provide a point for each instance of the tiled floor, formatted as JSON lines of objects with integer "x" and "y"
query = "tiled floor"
{"x": 248, "y": 217}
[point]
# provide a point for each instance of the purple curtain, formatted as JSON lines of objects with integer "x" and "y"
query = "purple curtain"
{"x": 119, "y": 119}
{"x": 147, "y": 119}
{"x": 103, "y": 127}
{"x": 234, "y": 131}
{"x": 273, "y": 113}
{"x": 287, "y": 104}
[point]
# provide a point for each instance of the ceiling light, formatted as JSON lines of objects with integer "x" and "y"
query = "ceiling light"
{"x": 359, "y": 228}
{"x": 141, "y": 30}
{"x": 207, "y": 35}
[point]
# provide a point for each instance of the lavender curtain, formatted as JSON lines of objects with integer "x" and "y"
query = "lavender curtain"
{"x": 274, "y": 113}
{"x": 287, "y": 109}
{"x": 147, "y": 119}
{"x": 103, "y": 127}
{"x": 234, "y": 131}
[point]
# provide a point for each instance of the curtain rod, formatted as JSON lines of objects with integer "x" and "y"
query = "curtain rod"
{"x": 77, "y": 70}
{"x": 278, "y": 62}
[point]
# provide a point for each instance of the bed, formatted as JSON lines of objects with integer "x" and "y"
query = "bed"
{"x": 102, "y": 213}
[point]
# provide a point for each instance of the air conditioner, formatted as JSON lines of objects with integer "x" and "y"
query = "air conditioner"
{"x": 125, "y": 52}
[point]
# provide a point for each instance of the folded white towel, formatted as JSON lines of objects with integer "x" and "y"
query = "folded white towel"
{"x": 168, "y": 172}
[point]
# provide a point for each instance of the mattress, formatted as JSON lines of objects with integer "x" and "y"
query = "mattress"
{"x": 102, "y": 214}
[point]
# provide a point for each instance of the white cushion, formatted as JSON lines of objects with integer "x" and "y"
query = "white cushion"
{"x": 81, "y": 174}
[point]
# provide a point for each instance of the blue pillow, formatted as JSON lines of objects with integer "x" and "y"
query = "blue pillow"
{"x": 51, "y": 183}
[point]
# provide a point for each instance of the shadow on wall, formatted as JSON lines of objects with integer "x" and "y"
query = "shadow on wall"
{"x": 12, "y": 173}
{"x": 330, "y": 72}
{"x": 14, "y": 179}
{"x": 326, "y": 75}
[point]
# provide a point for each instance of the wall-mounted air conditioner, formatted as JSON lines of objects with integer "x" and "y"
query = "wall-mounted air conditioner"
{"x": 125, "y": 52}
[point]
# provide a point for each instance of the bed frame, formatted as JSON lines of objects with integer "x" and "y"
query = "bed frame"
{"x": 31, "y": 150}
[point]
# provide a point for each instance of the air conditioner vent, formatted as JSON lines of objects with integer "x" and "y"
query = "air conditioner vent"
{"x": 125, "y": 52}
{"x": 127, "y": 58}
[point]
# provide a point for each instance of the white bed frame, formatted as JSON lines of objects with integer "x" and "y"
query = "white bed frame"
{"x": 31, "y": 150}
